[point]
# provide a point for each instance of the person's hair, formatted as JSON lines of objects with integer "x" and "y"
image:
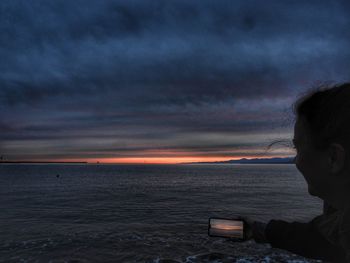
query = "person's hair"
{"x": 326, "y": 112}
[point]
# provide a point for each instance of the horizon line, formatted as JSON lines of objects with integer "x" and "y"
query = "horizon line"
{"x": 144, "y": 161}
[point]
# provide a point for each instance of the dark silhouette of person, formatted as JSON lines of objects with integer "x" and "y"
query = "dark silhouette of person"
{"x": 322, "y": 142}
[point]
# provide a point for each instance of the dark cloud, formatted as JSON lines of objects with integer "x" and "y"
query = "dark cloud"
{"x": 110, "y": 69}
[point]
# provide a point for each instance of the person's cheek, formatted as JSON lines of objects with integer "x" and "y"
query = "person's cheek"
{"x": 300, "y": 165}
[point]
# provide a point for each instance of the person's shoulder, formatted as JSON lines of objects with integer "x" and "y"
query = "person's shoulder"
{"x": 328, "y": 225}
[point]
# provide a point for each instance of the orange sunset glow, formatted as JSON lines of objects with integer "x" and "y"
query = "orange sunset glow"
{"x": 227, "y": 227}
{"x": 161, "y": 160}
{"x": 157, "y": 160}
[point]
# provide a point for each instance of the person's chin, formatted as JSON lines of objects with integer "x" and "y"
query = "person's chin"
{"x": 312, "y": 191}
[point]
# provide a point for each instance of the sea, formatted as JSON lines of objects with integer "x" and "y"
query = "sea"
{"x": 144, "y": 213}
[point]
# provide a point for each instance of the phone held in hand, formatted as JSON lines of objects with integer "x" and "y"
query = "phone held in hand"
{"x": 229, "y": 228}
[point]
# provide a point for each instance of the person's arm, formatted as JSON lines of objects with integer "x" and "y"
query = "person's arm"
{"x": 302, "y": 239}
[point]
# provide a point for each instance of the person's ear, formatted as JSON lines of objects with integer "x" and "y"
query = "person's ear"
{"x": 337, "y": 157}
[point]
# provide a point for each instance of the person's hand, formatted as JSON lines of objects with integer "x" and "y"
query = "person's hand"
{"x": 255, "y": 230}
{"x": 248, "y": 231}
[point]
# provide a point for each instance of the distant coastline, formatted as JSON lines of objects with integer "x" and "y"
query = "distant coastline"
{"x": 29, "y": 162}
{"x": 278, "y": 160}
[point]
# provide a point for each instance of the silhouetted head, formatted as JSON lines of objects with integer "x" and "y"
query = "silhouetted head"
{"x": 322, "y": 140}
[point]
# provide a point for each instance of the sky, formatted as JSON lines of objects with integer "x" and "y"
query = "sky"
{"x": 161, "y": 81}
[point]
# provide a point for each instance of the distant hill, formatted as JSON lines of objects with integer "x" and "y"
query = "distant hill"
{"x": 287, "y": 160}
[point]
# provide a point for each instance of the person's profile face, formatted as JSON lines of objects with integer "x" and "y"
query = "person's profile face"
{"x": 310, "y": 161}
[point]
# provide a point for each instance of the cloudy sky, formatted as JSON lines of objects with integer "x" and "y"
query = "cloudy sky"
{"x": 161, "y": 81}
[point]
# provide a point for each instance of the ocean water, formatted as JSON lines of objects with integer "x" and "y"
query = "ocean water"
{"x": 143, "y": 213}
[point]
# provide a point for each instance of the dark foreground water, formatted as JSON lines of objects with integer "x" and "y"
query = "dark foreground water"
{"x": 109, "y": 213}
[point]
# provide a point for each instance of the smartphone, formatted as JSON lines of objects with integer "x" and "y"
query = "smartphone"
{"x": 228, "y": 228}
